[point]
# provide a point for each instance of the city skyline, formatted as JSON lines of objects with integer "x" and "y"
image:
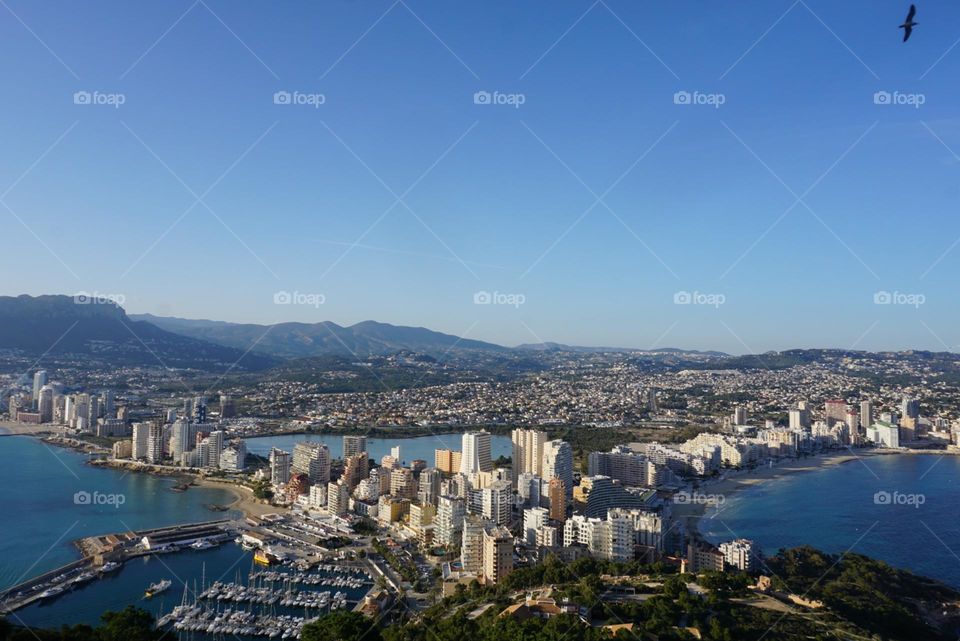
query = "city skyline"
{"x": 771, "y": 180}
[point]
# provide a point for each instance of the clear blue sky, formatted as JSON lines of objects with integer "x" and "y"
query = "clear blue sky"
{"x": 301, "y": 196}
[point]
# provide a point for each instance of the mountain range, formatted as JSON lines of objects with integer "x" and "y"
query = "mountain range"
{"x": 103, "y": 332}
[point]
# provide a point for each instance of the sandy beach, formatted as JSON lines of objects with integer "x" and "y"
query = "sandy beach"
{"x": 243, "y": 499}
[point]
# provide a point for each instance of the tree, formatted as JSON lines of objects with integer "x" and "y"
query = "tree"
{"x": 130, "y": 624}
{"x": 341, "y": 626}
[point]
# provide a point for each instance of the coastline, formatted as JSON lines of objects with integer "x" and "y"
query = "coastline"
{"x": 692, "y": 513}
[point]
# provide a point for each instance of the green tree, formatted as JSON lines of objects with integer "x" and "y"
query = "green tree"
{"x": 341, "y": 626}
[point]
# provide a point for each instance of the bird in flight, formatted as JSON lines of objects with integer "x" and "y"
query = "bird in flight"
{"x": 909, "y": 24}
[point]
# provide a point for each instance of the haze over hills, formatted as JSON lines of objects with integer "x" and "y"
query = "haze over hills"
{"x": 100, "y": 330}
{"x": 297, "y": 340}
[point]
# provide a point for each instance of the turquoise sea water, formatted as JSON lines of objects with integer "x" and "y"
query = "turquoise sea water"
{"x": 903, "y": 509}
{"x": 41, "y": 517}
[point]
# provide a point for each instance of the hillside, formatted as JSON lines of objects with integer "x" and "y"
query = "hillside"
{"x": 57, "y": 326}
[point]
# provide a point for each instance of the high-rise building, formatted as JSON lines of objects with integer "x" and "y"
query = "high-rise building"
{"x": 312, "y": 459}
{"x": 338, "y": 499}
{"x": 620, "y": 464}
{"x": 739, "y": 415}
{"x": 471, "y": 547}
{"x": 558, "y": 463}
{"x": 497, "y": 555}
{"x": 449, "y": 521}
{"x": 866, "y": 414}
{"x": 141, "y": 441}
{"x": 45, "y": 404}
{"x": 739, "y": 554}
{"x": 429, "y": 488}
{"x": 475, "y": 455}
{"x": 909, "y": 408}
{"x": 233, "y": 458}
{"x": 497, "y": 502}
{"x": 527, "y": 451}
{"x": 39, "y": 380}
{"x": 155, "y": 442}
{"x": 447, "y": 461}
{"x": 557, "y": 493}
{"x": 799, "y": 419}
{"x": 279, "y": 466}
{"x": 529, "y": 489}
{"x": 108, "y": 408}
{"x": 533, "y": 519}
{"x": 651, "y": 400}
{"x": 402, "y": 483}
{"x": 228, "y": 408}
{"x": 353, "y": 444}
{"x": 183, "y": 435}
{"x": 355, "y": 469}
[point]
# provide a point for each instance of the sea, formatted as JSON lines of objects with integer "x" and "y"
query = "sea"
{"x": 900, "y": 508}
{"x": 50, "y": 497}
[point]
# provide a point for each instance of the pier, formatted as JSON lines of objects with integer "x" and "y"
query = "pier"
{"x": 106, "y": 553}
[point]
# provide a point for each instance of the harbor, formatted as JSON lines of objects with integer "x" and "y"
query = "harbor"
{"x": 204, "y": 578}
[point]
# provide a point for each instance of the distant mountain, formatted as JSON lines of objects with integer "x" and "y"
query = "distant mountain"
{"x": 560, "y": 347}
{"x": 102, "y": 331}
{"x": 298, "y": 340}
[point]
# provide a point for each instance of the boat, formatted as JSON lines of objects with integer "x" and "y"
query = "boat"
{"x": 264, "y": 557}
{"x": 157, "y": 588}
{"x": 109, "y": 566}
{"x": 201, "y": 544}
{"x": 51, "y": 592}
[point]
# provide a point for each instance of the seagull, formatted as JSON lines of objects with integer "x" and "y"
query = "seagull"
{"x": 909, "y": 24}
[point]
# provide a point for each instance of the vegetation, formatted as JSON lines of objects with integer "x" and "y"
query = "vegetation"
{"x": 862, "y": 599}
{"x": 130, "y": 624}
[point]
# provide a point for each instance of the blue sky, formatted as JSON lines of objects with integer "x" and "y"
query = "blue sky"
{"x": 597, "y": 201}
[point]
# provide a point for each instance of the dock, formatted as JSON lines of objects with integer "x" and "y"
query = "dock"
{"x": 108, "y": 552}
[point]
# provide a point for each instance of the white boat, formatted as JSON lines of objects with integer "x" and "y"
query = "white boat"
{"x": 201, "y": 544}
{"x": 51, "y": 592}
{"x": 109, "y": 566}
{"x": 157, "y": 588}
